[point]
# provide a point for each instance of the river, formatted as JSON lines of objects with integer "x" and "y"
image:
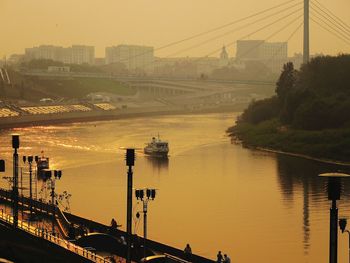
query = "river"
{"x": 253, "y": 205}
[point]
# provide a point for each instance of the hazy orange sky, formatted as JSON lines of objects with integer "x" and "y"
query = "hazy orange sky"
{"x": 101, "y": 23}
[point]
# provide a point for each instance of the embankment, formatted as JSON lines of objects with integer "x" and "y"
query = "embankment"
{"x": 71, "y": 117}
{"x": 331, "y": 146}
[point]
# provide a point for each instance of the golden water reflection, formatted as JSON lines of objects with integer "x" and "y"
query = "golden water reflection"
{"x": 215, "y": 195}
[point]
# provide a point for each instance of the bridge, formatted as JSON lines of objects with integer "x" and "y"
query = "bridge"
{"x": 282, "y": 18}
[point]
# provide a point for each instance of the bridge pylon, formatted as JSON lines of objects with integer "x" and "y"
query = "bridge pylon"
{"x": 306, "y": 49}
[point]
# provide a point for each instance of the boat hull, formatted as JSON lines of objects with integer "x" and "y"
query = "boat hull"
{"x": 156, "y": 153}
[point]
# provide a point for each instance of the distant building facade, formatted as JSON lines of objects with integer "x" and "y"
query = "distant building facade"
{"x": 57, "y": 69}
{"x": 76, "y": 54}
{"x": 134, "y": 57}
{"x": 15, "y": 59}
{"x": 186, "y": 67}
{"x": 81, "y": 54}
{"x": 100, "y": 61}
{"x": 273, "y": 54}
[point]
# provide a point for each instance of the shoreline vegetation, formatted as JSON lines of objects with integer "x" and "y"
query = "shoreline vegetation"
{"x": 253, "y": 141}
{"x": 308, "y": 117}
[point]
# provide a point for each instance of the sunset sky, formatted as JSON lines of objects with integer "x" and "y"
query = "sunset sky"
{"x": 101, "y": 23}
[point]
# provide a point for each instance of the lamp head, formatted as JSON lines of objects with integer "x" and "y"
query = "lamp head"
{"x": 15, "y": 141}
{"x": 2, "y": 166}
{"x": 47, "y": 173}
{"x": 130, "y": 157}
{"x": 334, "y": 185}
{"x": 153, "y": 194}
{"x": 342, "y": 224}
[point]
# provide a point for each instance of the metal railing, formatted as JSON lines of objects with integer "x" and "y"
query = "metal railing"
{"x": 41, "y": 206}
{"x": 43, "y": 233}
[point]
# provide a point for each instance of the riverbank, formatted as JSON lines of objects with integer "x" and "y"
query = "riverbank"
{"x": 304, "y": 156}
{"x": 72, "y": 117}
{"x": 329, "y": 146}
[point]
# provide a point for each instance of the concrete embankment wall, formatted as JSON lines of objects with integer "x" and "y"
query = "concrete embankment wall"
{"x": 42, "y": 119}
{"x": 47, "y": 119}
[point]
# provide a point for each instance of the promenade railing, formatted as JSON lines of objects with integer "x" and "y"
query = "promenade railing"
{"x": 43, "y": 233}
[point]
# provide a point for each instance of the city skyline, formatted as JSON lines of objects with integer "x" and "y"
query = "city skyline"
{"x": 57, "y": 25}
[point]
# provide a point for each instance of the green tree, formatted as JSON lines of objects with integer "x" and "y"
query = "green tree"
{"x": 286, "y": 81}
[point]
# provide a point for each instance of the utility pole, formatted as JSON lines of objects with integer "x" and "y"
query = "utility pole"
{"x": 306, "y": 53}
{"x": 15, "y": 146}
{"x": 130, "y": 162}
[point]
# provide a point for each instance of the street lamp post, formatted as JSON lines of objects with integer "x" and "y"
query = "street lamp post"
{"x": 334, "y": 191}
{"x": 145, "y": 198}
{"x": 342, "y": 225}
{"x": 130, "y": 162}
{"x": 15, "y": 146}
{"x": 57, "y": 174}
{"x": 30, "y": 162}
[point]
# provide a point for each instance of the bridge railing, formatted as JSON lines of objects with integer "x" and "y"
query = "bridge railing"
{"x": 42, "y": 206}
{"x": 42, "y": 233}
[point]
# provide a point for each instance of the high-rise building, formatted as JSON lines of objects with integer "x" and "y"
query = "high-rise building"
{"x": 259, "y": 49}
{"x": 82, "y": 54}
{"x": 43, "y": 52}
{"x": 273, "y": 54}
{"x": 77, "y": 54}
{"x": 135, "y": 58}
{"x": 248, "y": 49}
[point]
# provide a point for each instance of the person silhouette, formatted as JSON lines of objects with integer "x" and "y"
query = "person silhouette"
{"x": 188, "y": 252}
{"x": 219, "y": 257}
{"x": 226, "y": 259}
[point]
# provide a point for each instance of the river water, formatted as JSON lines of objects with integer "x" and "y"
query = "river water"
{"x": 214, "y": 195}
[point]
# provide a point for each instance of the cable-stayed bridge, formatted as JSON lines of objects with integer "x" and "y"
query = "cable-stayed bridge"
{"x": 286, "y": 18}
{"x": 283, "y": 21}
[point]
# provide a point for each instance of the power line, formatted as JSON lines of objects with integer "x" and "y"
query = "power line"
{"x": 330, "y": 21}
{"x": 289, "y": 38}
{"x": 273, "y": 34}
{"x": 291, "y": 35}
{"x": 332, "y": 27}
{"x": 223, "y": 26}
{"x": 339, "y": 19}
{"x": 331, "y": 17}
{"x": 260, "y": 29}
{"x": 236, "y": 29}
{"x": 213, "y": 30}
{"x": 335, "y": 34}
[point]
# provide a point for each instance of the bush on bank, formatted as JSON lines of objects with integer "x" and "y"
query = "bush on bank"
{"x": 309, "y": 114}
{"x": 331, "y": 144}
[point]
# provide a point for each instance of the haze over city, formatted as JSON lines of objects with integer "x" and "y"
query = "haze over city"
{"x": 145, "y": 22}
{"x": 174, "y": 131}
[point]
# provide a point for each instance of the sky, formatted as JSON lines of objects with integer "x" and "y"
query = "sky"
{"x": 101, "y": 23}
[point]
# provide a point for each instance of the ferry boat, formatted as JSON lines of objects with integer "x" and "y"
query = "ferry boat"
{"x": 157, "y": 148}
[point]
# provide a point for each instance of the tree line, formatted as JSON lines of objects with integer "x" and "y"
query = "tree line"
{"x": 316, "y": 97}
